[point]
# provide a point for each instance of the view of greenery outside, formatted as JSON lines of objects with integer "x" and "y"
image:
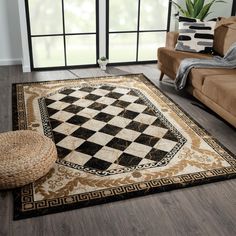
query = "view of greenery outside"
{"x": 123, "y": 15}
{"x": 81, "y": 49}
{"x": 46, "y": 19}
{"x": 80, "y": 16}
{"x": 153, "y": 16}
{"x": 122, "y": 47}
{"x": 148, "y": 44}
{"x": 48, "y": 51}
{"x": 46, "y": 24}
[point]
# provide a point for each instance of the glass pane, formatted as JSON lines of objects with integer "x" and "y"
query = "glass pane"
{"x": 81, "y": 49}
{"x": 148, "y": 44}
{"x": 153, "y": 14}
{"x": 122, "y": 47}
{"x": 48, "y": 51}
{"x": 45, "y": 17}
{"x": 80, "y": 16}
{"x": 123, "y": 15}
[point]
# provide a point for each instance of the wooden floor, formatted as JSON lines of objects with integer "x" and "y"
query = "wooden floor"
{"x": 203, "y": 210}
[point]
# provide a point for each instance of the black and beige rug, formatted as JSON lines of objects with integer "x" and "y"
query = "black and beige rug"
{"x": 116, "y": 137}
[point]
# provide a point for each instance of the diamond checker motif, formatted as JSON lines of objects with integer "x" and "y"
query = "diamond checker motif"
{"x": 105, "y": 128}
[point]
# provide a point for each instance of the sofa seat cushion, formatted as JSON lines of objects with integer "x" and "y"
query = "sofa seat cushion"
{"x": 197, "y": 75}
{"x": 171, "y": 58}
{"x": 221, "y": 89}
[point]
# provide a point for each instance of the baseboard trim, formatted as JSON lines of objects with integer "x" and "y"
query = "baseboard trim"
{"x": 10, "y": 62}
{"x": 26, "y": 68}
{"x": 16, "y": 61}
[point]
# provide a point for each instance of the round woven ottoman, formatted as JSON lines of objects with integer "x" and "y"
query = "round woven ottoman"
{"x": 25, "y": 157}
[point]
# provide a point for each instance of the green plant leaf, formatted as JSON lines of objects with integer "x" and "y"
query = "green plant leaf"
{"x": 203, "y": 13}
{"x": 196, "y": 8}
{"x": 198, "y": 5}
{"x": 208, "y": 13}
{"x": 189, "y": 6}
{"x": 186, "y": 13}
{"x": 179, "y": 7}
{"x": 194, "y": 2}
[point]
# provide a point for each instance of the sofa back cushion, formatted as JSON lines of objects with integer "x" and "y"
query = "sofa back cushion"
{"x": 225, "y": 35}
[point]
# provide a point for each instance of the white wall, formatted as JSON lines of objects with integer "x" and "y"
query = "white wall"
{"x": 10, "y": 39}
{"x": 222, "y": 9}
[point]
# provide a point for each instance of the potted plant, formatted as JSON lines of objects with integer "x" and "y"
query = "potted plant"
{"x": 196, "y": 8}
{"x": 102, "y": 61}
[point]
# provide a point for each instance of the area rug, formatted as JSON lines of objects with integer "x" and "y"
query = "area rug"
{"x": 117, "y": 138}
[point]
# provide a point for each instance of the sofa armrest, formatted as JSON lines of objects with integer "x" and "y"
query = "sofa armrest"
{"x": 171, "y": 39}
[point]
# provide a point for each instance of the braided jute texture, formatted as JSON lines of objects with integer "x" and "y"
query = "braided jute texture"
{"x": 25, "y": 156}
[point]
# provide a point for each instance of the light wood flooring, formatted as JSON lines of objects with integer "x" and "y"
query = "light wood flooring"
{"x": 202, "y": 210}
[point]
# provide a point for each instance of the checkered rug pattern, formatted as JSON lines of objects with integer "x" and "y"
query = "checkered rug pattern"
{"x": 107, "y": 129}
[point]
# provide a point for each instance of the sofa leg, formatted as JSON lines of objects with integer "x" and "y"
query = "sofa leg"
{"x": 161, "y": 76}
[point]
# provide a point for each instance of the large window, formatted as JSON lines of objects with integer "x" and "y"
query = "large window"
{"x": 62, "y": 33}
{"x": 136, "y": 28}
{"x": 65, "y": 33}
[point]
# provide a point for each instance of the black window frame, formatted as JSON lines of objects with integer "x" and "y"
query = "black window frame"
{"x": 64, "y": 34}
{"x": 233, "y": 13}
{"x": 138, "y": 31}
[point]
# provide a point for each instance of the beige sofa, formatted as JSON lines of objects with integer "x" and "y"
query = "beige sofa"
{"x": 216, "y": 88}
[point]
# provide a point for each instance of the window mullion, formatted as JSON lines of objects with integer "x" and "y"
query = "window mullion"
{"x": 63, "y": 27}
{"x": 138, "y": 26}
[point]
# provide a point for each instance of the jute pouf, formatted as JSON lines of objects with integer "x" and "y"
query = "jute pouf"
{"x": 25, "y": 157}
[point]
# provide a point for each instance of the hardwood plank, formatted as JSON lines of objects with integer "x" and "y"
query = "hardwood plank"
{"x": 202, "y": 210}
{"x": 5, "y": 213}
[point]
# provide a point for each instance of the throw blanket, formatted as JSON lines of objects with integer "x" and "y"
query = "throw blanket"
{"x": 228, "y": 61}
